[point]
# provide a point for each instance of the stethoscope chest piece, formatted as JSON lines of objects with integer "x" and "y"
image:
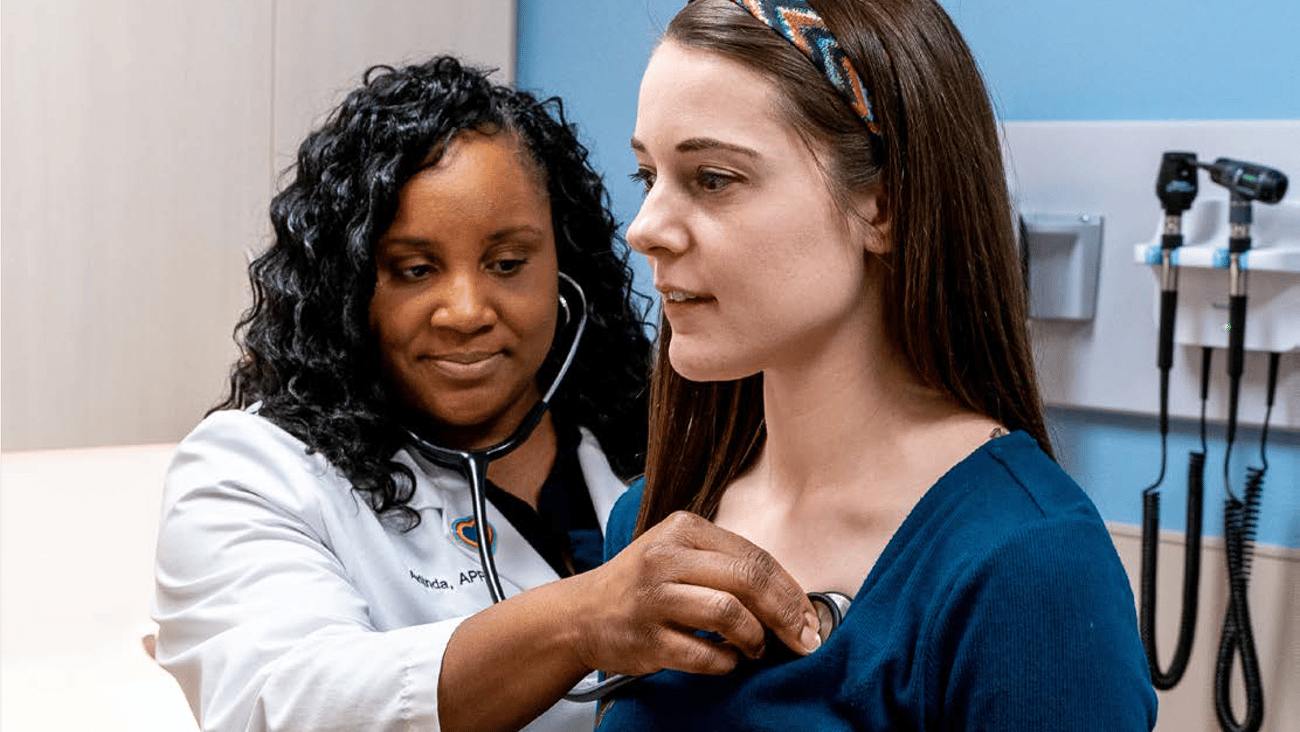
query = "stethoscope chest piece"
{"x": 830, "y": 607}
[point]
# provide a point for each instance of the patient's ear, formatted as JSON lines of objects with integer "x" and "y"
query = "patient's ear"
{"x": 871, "y": 220}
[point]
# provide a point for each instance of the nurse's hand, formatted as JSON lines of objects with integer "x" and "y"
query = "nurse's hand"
{"x": 636, "y": 614}
{"x": 640, "y": 609}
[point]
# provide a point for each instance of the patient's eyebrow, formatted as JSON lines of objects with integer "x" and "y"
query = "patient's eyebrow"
{"x": 694, "y": 144}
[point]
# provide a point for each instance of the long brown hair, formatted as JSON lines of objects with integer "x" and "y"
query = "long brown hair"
{"x": 954, "y": 298}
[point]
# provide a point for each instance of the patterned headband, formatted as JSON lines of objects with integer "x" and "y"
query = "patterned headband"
{"x": 799, "y": 24}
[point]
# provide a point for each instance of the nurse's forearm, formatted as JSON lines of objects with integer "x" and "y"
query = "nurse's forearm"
{"x": 507, "y": 664}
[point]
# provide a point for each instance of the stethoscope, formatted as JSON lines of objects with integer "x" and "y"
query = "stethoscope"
{"x": 473, "y": 464}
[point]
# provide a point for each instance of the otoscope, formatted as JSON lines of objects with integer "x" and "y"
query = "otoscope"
{"x": 1176, "y": 187}
{"x": 1247, "y": 182}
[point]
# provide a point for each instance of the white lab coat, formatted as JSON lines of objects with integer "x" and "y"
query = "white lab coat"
{"x": 285, "y": 603}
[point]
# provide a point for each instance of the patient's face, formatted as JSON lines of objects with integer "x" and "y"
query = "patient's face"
{"x": 757, "y": 266}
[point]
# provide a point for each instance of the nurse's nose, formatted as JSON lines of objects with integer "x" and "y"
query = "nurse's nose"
{"x": 464, "y": 304}
{"x": 658, "y": 229}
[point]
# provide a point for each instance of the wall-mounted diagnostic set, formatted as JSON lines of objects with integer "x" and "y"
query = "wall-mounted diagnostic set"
{"x": 1216, "y": 265}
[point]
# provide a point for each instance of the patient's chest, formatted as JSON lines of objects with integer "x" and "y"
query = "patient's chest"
{"x": 825, "y": 546}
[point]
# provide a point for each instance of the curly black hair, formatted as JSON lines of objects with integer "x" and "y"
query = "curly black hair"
{"x": 307, "y": 350}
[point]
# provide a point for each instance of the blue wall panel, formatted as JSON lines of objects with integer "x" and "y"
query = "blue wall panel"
{"x": 1115, "y": 456}
{"x": 591, "y": 53}
{"x": 1147, "y": 60}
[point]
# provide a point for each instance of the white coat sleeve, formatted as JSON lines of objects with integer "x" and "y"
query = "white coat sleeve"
{"x": 258, "y": 620}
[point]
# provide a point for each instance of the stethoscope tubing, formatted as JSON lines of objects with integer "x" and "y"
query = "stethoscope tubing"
{"x": 476, "y": 467}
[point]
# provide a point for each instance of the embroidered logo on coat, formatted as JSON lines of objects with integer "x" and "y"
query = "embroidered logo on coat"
{"x": 466, "y": 532}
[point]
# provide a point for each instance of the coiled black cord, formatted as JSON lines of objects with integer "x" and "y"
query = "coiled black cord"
{"x": 1192, "y": 551}
{"x": 1240, "y": 520}
{"x": 1238, "y": 640}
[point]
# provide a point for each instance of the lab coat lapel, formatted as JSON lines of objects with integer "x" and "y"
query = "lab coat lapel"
{"x": 518, "y": 564}
{"x": 604, "y": 486}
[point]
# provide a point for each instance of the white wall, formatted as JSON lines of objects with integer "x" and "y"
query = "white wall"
{"x": 142, "y": 142}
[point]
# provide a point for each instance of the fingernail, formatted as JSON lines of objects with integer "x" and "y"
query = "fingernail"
{"x": 810, "y": 639}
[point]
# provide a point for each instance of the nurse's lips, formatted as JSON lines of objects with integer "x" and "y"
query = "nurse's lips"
{"x": 466, "y": 364}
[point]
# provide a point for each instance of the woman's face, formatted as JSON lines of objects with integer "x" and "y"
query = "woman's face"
{"x": 757, "y": 266}
{"x": 465, "y": 298}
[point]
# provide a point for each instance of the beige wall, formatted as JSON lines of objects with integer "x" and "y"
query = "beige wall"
{"x": 75, "y": 608}
{"x": 1274, "y": 596}
{"x": 141, "y": 145}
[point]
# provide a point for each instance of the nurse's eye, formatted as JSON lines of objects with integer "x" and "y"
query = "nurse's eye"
{"x": 414, "y": 272}
{"x": 713, "y": 181}
{"x": 645, "y": 178}
{"x": 506, "y": 266}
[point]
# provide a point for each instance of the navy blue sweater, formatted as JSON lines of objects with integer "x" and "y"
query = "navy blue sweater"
{"x": 999, "y": 604}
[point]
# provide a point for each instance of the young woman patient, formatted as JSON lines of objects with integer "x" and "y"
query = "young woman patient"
{"x": 844, "y": 378}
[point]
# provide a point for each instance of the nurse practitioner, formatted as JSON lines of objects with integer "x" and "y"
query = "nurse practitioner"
{"x": 313, "y": 573}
